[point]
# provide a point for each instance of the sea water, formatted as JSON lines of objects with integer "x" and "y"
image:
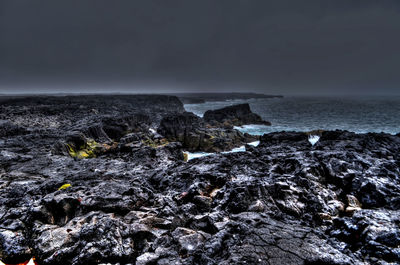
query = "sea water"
{"x": 360, "y": 115}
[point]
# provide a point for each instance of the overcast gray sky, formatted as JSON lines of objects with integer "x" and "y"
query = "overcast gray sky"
{"x": 278, "y": 47}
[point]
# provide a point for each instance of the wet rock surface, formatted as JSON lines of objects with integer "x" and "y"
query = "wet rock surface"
{"x": 133, "y": 200}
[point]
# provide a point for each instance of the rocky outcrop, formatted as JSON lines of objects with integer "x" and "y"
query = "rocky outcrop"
{"x": 179, "y": 126}
{"x": 235, "y": 115}
{"x": 283, "y": 202}
{"x": 191, "y": 131}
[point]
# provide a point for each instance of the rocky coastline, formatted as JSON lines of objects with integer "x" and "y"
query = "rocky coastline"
{"x": 196, "y": 98}
{"x": 103, "y": 180}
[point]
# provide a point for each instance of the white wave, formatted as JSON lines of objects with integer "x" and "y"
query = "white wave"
{"x": 255, "y": 143}
{"x": 253, "y": 129}
{"x": 313, "y": 139}
{"x": 234, "y": 150}
{"x": 197, "y": 154}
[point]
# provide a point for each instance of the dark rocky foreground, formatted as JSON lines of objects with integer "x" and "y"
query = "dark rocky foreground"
{"x": 133, "y": 199}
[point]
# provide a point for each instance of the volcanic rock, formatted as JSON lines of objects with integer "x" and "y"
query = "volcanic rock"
{"x": 191, "y": 131}
{"x": 236, "y": 115}
{"x": 282, "y": 202}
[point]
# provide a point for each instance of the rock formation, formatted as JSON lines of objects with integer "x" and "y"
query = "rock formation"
{"x": 235, "y": 115}
{"x": 135, "y": 201}
{"x": 192, "y": 132}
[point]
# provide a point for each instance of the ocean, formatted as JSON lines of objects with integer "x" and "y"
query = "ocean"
{"x": 360, "y": 115}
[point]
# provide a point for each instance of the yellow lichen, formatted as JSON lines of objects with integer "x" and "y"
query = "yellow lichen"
{"x": 92, "y": 144}
{"x": 65, "y": 186}
{"x": 154, "y": 144}
{"x": 83, "y": 154}
{"x": 88, "y": 150}
{"x": 71, "y": 150}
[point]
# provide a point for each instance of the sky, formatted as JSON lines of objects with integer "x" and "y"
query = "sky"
{"x": 273, "y": 47}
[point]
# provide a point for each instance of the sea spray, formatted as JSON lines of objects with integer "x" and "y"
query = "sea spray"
{"x": 234, "y": 150}
{"x": 313, "y": 139}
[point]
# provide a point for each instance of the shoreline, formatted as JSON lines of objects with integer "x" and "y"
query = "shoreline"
{"x": 313, "y": 113}
{"x": 91, "y": 180}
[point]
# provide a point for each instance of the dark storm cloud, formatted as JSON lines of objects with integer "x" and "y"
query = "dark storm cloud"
{"x": 272, "y": 46}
